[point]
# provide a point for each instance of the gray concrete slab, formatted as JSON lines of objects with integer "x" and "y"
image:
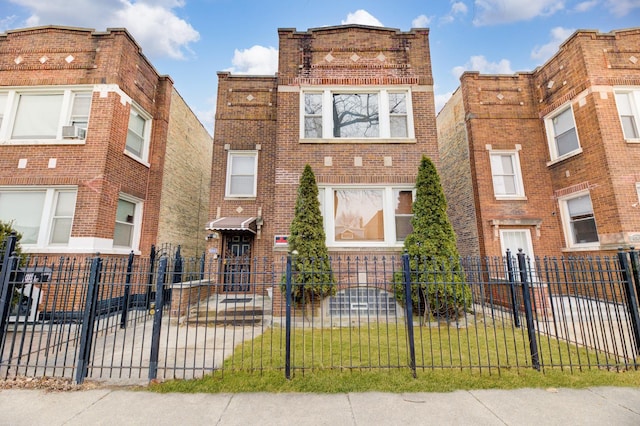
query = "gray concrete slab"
{"x": 298, "y": 409}
{"x": 597, "y": 406}
{"x": 558, "y": 407}
{"x": 458, "y": 408}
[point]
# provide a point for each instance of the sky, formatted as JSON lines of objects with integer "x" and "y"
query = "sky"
{"x": 192, "y": 40}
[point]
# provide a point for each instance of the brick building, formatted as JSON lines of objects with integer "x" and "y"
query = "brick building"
{"x": 547, "y": 161}
{"x": 98, "y": 152}
{"x": 355, "y": 103}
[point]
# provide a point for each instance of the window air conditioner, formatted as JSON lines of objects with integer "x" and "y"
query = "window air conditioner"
{"x": 73, "y": 132}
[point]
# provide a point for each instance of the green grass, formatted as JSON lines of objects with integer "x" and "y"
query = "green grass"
{"x": 375, "y": 358}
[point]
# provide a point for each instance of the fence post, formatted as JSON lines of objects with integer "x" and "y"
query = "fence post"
{"x": 127, "y": 291}
{"x": 157, "y": 319}
{"x": 528, "y": 312}
{"x": 152, "y": 264}
{"x": 635, "y": 266}
{"x": 88, "y": 319}
{"x": 632, "y": 303}
{"x": 287, "y": 329}
{"x": 512, "y": 286}
{"x": 9, "y": 263}
{"x": 202, "y": 265}
{"x": 406, "y": 275}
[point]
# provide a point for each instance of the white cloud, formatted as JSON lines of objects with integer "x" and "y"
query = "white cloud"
{"x": 7, "y": 22}
{"x": 458, "y": 9}
{"x": 622, "y": 7}
{"x": 421, "y": 21}
{"x": 544, "y": 52}
{"x": 491, "y": 12}
{"x": 585, "y": 6}
{"x": 153, "y": 23}
{"x": 362, "y": 17}
{"x": 257, "y": 60}
{"x": 480, "y": 63}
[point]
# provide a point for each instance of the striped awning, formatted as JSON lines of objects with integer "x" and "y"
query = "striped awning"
{"x": 235, "y": 223}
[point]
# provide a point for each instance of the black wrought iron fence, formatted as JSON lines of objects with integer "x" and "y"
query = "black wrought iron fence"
{"x": 138, "y": 318}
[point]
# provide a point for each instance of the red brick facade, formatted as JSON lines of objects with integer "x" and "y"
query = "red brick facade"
{"x": 111, "y": 67}
{"x": 264, "y": 114}
{"x": 489, "y": 114}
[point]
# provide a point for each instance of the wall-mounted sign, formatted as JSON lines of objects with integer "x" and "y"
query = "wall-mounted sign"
{"x": 281, "y": 240}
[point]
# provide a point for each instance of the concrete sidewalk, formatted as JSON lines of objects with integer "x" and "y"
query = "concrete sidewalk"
{"x": 595, "y": 406}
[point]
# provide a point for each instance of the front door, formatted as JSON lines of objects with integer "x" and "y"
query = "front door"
{"x": 237, "y": 263}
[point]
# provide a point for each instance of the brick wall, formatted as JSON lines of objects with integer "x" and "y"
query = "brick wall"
{"x": 186, "y": 181}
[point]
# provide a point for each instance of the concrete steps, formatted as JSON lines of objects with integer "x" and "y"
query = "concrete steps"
{"x": 227, "y": 314}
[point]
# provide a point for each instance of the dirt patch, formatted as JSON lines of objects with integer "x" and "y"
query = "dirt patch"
{"x": 47, "y": 384}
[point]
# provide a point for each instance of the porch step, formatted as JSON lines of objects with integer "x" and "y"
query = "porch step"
{"x": 238, "y": 316}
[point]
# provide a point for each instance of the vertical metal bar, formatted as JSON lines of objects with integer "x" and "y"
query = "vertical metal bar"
{"x": 127, "y": 291}
{"x": 152, "y": 264}
{"x": 632, "y": 303}
{"x": 531, "y": 332}
{"x": 9, "y": 262}
{"x": 406, "y": 271}
{"x": 88, "y": 319}
{"x": 157, "y": 319}
{"x": 635, "y": 266}
{"x": 287, "y": 358}
{"x": 512, "y": 287}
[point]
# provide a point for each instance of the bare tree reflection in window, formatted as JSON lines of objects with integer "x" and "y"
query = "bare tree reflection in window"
{"x": 313, "y": 115}
{"x": 355, "y": 115}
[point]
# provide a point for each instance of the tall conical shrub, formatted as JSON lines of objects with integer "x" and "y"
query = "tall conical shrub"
{"x": 311, "y": 268}
{"x": 438, "y": 288}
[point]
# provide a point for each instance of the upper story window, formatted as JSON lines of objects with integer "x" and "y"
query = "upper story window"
{"x": 138, "y": 133}
{"x": 242, "y": 173}
{"x": 366, "y": 216}
{"x": 506, "y": 174}
{"x": 562, "y": 134}
{"x": 627, "y": 102}
{"x": 356, "y": 114}
{"x": 579, "y": 220}
{"x": 43, "y": 216}
{"x": 44, "y": 115}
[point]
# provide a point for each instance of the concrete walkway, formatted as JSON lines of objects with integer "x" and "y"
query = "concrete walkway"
{"x": 595, "y": 406}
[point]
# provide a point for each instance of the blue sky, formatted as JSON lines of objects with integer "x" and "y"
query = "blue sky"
{"x": 191, "y": 40}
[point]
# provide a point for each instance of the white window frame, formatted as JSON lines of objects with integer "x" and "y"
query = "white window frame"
{"x": 383, "y": 112}
{"x": 137, "y": 221}
{"x": 146, "y": 142}
{"x": 634, "y": 101}
{"x": 48, "y": 211}
{"x": 11, "y": 107}
{"x": 566, "y": 221}
{"x": 551, "y": 136}
{"x": 518, "y": 183}
{"x": 236, "y": 153}
{"x": 327, "y": 208}
{"x": 527, "y": 250}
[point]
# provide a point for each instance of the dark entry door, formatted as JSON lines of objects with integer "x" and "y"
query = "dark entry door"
{"x": 237, "y": 263}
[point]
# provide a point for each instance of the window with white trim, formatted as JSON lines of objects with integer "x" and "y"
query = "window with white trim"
{"x": 128, "y": 222}
{"x": 356, "y": 114}
{"x": 366, "y": 216}
{"x": 44, "y": 115}
{"x": 562, "y": 134}
{"x": 506, "y": 174}
{"x": 627, "y": 102}
{"x": 138, "y": 133}
{"x": 44, "y": 216}
{"x": 578, "y": 220}
{"x": 242, "y": 173}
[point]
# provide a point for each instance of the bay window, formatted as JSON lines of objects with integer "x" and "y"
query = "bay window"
{"x": 44, "y": 216}
{"x": 128, "y": 222}
{"x": 562, "y": 134}
{"x": 351, "y": 114}
{"x": 579, "y": 220}
{"x": 44, "y": 115}
{"x": 366, "y": 216}
{"x": 138, "y": 134}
